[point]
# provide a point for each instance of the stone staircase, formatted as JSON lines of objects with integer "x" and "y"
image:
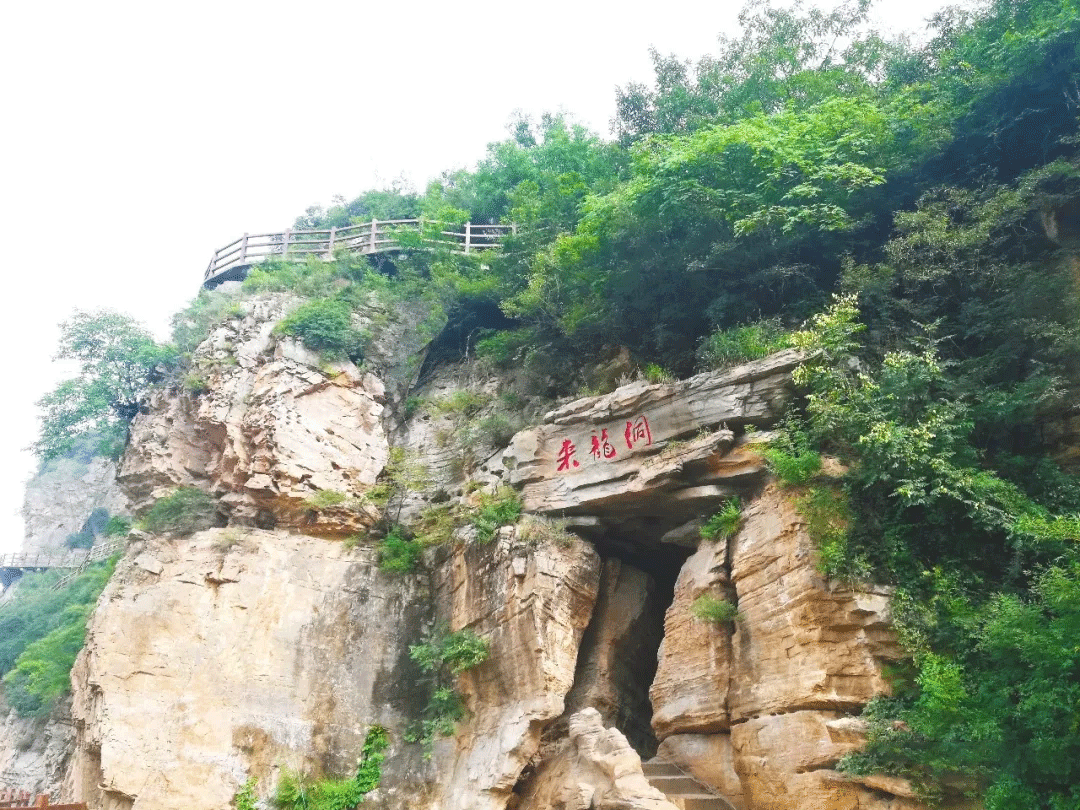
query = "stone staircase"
{"x": 681, "y": 789}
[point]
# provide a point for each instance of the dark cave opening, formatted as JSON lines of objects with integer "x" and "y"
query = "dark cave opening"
{"x": 458, "y": 337}
{"x": 617, "y": 660}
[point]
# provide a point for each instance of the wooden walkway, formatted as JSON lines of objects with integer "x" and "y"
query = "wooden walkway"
{"x": 12, "y": 566}
{"x": 378, "y": 236}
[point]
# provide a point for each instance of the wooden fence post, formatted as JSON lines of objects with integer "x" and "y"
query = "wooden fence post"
{"x": 243, "y": 249}
{"x": 285, "y": 244}
{"x": 374, "y": 233}
{"x": 468, "y": 236}
{"x": 330, "y": 244}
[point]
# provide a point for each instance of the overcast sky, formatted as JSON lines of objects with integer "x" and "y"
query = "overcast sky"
{"x": 137, "y": 137}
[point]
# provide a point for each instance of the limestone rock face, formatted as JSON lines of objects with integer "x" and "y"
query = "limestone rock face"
{"x": 623, "y": 453}
{"x": 690, "y": 691}
{"x": 35, "y": 751}
{"x": 234, "y": 653}
{"x": 58, "y": 501}
{"x": 813, "y": 645}
{"x": 778, "y": 679}
{"x": 595, "y": 770}
{"x": 532, "y": 602}
{"x": 273, "y": 426}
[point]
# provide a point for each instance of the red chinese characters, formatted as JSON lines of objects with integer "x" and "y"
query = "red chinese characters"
{"x": 566, "y": 456}
{"x": 637, "y": 432}
{"x": 601, "y": 447}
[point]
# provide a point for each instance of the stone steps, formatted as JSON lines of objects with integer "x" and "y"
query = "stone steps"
{"x": 681, "y": 789}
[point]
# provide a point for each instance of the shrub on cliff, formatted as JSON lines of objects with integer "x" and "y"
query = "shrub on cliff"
{"x": 184, "y": 511}
{"x": 325, "y": 326}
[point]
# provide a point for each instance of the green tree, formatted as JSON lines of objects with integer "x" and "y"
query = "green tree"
{"x": 118, "y": 363}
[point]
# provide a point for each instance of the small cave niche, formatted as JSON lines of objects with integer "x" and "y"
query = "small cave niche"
{"x": 617, "y": 660}
{"x": 459, "y": 335}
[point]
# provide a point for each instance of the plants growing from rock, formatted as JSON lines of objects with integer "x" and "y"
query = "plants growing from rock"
{"x": 325, "y": 499}
{"x": 245, "y": 798}
{"x": 790, "y": 456}
{"x": 296, "y": 792}
{"x": 325, "y": 325}
{"x": 118, "y": 526}
{"x": 496, "y": 510}
{"x": 442, "y": 656}
{"x": 723, "y": 524}
{"x": 714, "y": 609}
{"x": 740, "y": 344}
{"x": 185, "y": 510}
{"x": 398, "y": 554}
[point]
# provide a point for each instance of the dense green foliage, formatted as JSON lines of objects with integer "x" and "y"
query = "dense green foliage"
{"x": 497, "y": 510}
{"x": 325, "y": 326}
{"x": 118, "y": 362}
{"x": 184, "y": 511}
{"x": 399, "y": 555}
{"x": 41, "y": 632}
{"x": 296, "y": 792}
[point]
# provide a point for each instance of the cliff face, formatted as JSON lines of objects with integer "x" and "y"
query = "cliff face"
{"x": 60, "y": 498}
{"x": 270, "y": 644}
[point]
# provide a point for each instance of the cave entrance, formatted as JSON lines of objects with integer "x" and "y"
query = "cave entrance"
{"x": 459, "y": 335}
{"x": 617, "y": 659}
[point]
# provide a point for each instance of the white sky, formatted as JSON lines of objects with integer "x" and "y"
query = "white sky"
{"x": 137, "y": 137}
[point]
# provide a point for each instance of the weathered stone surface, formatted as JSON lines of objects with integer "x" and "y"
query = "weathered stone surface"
{"x": 801, "y": 651}
{"x": 34, "y": 751}
{"x": 273, "y": 427}
{"x": 709, "y": 759}
{"x": 786, "y": 761}
{"x": 58, "y": 501}
{"x": 596, "y": 769}
{"x": 532, "y": 601}
{"x": 618, "y": 453}
{"x": 249, "y": 651}
{"x": 690, "y": 691}
{"x": 808, "y": 644}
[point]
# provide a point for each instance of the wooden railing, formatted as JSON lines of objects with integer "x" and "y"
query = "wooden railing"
{"x": 377, "y": 236}
{"x": 101, "y": 551}
{"x": 21, "y": 798}
{"x": 40, "y": 561}
{"x": 75, "y": 565}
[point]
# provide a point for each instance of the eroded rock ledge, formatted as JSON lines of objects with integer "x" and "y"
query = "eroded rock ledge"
{"x": 653, "y": 455}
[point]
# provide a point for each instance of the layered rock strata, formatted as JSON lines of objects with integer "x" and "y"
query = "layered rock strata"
{"x": 270, "y": 427}
{"x": 532, "y": 602}
{"x": 241, "y": 651}
{"x": 663, "y": 452}
{"x": 763, "y": 697}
